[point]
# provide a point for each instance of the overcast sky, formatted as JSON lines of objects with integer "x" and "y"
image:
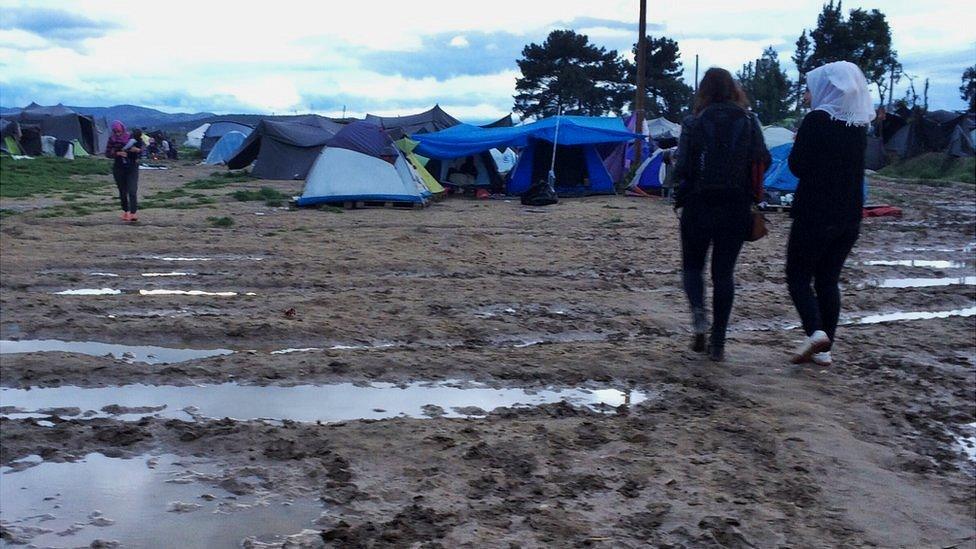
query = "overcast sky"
{"x": 397, "y": 57}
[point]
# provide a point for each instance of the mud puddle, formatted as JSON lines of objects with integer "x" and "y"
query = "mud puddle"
{"x": 911, "y": 315}
{"x": 306, "y": 403}
{"x": 90, "y": 291}
{"x": 112, "y": 291}
{"x": 146, "y": 502}
{"x": 919, "y": 282}
{"x": 182, "y": 258}
{"x": 925, "y": 263}
{"x": 150, "y": 354}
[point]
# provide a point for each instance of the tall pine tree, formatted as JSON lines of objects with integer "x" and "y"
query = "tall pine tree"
{"x": 666, "y": 92}
{"x": 801, "y": 58}
{"x": 770, "y": 91}
{"x": 569, "y": 72}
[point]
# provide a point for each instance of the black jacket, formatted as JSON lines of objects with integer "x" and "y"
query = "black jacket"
{"x": 688, "y": 163}
{"x": 828, "y": 159}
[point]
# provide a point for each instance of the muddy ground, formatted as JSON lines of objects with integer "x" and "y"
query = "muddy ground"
{"x": 752, "y": 452}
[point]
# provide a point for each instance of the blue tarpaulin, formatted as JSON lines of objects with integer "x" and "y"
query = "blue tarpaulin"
{"x": 465, "y": 140}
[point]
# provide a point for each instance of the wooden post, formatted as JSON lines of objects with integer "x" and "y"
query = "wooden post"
{"x": 639, "y": 99}
{"x": 696, "y": 73}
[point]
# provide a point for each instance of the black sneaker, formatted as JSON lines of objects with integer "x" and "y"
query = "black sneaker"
{"x": 698, "y": 343}
{"x": 716, "y": 352}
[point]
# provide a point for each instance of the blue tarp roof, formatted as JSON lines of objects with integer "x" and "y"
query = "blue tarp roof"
{"x": 464, "y": 139}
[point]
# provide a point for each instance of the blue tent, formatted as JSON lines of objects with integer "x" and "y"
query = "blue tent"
{"x": 651, "y": 174}
{"x": 579, "y": 167}
{"x": 225, "y": 148}
{"x": 778, "y": 176}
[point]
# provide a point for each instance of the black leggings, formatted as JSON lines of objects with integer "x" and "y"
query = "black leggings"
{"x": 818, "y": 252}
{"x": 127, "y": 180}
{"x": 724, "y": 231}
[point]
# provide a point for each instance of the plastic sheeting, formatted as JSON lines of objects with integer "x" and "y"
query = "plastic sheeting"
{"x": 465, "y": 140}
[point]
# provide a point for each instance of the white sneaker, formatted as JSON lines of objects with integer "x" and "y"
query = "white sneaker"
{"x": 818, "y": 342}
{"x": 822, "y": 359}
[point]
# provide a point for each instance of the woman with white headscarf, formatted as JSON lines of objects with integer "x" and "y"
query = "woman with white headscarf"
{"x": 828, "y": 160}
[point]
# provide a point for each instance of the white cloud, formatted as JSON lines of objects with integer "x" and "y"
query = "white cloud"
{"x": 270, "y": 57}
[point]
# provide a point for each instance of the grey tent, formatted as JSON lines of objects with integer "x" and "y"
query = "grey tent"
{"x": 961, "y": 143}
{"x": 219, "y": 129}
{"x": 874, "y": 154}
{"x": 906, "y": 143}
{"x": 63, "y": 123}
{"x": 503, "y": 122}
{"x": 284, "y": 149}
{"x": 429, "y": 121}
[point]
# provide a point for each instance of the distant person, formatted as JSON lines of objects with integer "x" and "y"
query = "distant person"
{"x": 718, "y": 144}
{"x": 129, "y": 187}
{"x": 466, "y": 175}
{"x": 118, "y": 148}
{"x": 828, "y": 160}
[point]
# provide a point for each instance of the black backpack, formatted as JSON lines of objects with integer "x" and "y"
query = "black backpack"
{"x": 725, "y": 139}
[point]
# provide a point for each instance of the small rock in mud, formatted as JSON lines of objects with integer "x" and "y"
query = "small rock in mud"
{"x": 115, "y": 409}
{"x": 65, "y": 411}
{"x": 470, "y": 411}
{"x": 182, "y": 507}
{"x": 433, "y": 410}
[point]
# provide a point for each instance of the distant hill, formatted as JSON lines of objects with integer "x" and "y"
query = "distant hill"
{"x": 133, "y": 115}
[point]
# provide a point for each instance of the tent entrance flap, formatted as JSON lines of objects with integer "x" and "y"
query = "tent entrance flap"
{"x": 570, "y": 167}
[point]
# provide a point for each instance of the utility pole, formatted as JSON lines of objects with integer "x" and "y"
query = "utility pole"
{"x": 696, "y": 73}
{"x": 639, "y": 100}
{"x": 891, "y": 92}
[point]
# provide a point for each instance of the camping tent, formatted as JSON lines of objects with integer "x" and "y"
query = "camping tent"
{"x": 775, "y": 136}
{"x": 663, "y": 131}
{"x": 62, "y": 123}
{"x": 419, "y": 163}
{"x": 225, "y": 148}
{"x": 361, "y": 163}
{"x": 961, "y": 143}
{"x": 217, "y": 130}
{"x": 651, "y": 174}
{"x": 428, "y": 121}
{"x": 195, "y": 136}
{"x": 284, "y": 149}
{"x": 10, "y": 137}
{"x": 779, "y": 180}
{"x": 579, "y": 167}
{"x": 503, "y": 122}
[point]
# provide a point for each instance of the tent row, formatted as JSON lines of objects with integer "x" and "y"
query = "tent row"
{"x": 55, "y": 130}
{"x": 907, "y": 134}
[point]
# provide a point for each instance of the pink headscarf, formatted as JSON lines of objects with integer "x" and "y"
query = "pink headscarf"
{"x": 119, "y": 140}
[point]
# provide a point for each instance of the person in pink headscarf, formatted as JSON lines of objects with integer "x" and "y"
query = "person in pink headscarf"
{"x": 126, "y": 168}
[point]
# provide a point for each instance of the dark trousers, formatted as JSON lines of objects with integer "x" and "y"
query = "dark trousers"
{"x": 817, "y": 252}
{"x": 127, "y": 180}
{"x": 724, "y": 230}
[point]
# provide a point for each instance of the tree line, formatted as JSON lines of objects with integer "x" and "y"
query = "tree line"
{"x": 570, "y": 73}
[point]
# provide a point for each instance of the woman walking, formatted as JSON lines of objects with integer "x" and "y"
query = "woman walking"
{"x": 828, "y": 159}
{"x": 718, "y": 145}
{"x": 124, "y": 150}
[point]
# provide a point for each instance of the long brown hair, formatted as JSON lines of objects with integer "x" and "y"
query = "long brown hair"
{"x": 718, "y": 86}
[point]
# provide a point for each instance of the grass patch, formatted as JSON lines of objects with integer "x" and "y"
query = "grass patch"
{"x": 21, "y": 178}
{"x": 217, "y": 180}
{"x": 271, "y": 197}
{"x": 221, "y": 222}
{"x": 933, "y": 168}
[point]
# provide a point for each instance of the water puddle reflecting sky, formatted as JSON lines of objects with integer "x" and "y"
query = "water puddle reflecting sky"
{"x": 307, "y": 403}
{"x": 149, "y": 354}
{"x": 145, "y": 502}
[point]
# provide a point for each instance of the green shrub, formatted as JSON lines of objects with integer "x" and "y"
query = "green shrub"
{"x": 221, "y": 222}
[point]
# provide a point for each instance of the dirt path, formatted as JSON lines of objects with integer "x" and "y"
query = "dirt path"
{"x": 750, "y": 453}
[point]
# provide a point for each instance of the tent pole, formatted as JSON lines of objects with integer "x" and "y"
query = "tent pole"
{"x": 552, "y": 164}
{"x": 639, "y": 99}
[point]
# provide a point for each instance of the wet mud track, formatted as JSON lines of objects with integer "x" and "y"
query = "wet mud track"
{"x": 753, "y": 452}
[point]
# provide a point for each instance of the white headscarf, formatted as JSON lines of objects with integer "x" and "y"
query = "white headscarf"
{"x": 841, "y": 90}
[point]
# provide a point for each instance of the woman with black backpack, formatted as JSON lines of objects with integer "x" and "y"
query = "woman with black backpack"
{"x": 719, "y": 144}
